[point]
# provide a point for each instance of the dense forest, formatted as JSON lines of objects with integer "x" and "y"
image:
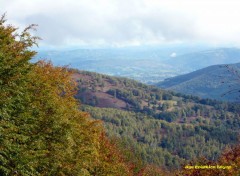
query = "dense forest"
{"x": 120, "y": 127}
{"x": 163, "y": 127}
{"x": 218, "y": 82}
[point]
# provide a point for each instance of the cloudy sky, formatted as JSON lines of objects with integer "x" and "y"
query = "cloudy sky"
{"x": 128, "y": 22}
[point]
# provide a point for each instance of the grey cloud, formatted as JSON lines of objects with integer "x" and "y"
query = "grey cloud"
{"x": 115, "y": 22}
{"x": 119, "y": 23}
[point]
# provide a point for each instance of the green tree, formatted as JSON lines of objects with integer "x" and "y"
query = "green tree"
{"x": 14, "y": 68}
{"x": 42, "y": 130}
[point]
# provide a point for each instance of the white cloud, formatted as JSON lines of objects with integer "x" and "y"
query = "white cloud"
{"x": 128, "y": 22}
{"x": 173, "y": 55}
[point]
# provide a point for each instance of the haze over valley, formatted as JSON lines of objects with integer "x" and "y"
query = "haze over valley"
{"x": 146, "y": 64}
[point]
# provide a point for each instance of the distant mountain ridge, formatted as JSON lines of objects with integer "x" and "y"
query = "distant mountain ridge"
{"x": 148, "y": 65}
{"x": 202, "y": 59}
{"x": 210, "y": 82}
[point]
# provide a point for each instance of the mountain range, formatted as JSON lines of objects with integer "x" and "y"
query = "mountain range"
{"x": 219, "y": 82}
{"x": 201, "y": 59}
{"x": 148, "y": 65}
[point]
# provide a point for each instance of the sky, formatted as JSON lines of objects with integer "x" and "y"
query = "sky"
{"x": 120, "y": 23}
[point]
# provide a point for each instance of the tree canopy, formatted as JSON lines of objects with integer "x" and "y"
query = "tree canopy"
{"x": 42, "y": 130}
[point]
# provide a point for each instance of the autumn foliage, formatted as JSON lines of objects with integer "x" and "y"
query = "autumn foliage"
{"x": 42, "y": 130}
{"x": 227, "y": 165}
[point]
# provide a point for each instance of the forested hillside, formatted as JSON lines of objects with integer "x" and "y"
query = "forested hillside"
{"x": 212, "y": 82}
{"x": 164, "y": 128}
{"x": 146, "y": 132}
